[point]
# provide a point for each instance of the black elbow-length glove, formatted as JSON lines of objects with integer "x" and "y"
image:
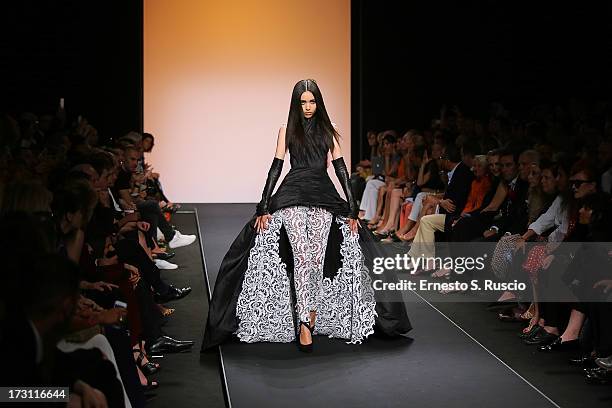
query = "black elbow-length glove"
{"x": 273, "y": 174}
{"x": 344, "y": 177}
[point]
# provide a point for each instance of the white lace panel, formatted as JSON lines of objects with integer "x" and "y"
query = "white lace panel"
{"x": 307, "y": 229}
{"x": 347, "y": 308}
{"x": 264, "y": 304}
{"x": 345, "y": 305}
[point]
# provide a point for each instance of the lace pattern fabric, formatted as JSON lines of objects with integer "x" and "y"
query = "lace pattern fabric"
{"x": 345, "y": 304}
{"x": 307, "y": 229}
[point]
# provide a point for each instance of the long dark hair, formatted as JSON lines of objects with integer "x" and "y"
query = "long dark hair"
{"x": 321, "y": 126}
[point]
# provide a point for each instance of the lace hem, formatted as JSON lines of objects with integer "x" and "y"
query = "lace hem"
{"x": 347, "y": 304}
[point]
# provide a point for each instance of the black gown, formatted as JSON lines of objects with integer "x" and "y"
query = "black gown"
{"x": 254, "y": 296}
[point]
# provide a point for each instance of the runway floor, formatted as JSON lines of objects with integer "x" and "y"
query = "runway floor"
{"x": 459, "y": 356}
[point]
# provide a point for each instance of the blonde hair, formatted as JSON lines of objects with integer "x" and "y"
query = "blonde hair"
{"x": 481, "y": 158}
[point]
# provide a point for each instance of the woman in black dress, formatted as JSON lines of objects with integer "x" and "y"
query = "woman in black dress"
{"x": 302, "y": 264}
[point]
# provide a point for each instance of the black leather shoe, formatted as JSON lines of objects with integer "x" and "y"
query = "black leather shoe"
{"x": 541, "y": 339}
{"x": 173, "y": 294}
{"x": 164, "y": 256}
{"x": 534, "y": 331}
{"x": 583, "y": 360}
{"x": 604, "y": 362}
{"x": 165, "y": 344}
{"x": 598, "y": 376}
{"x": 560, "y": 345}
{"x": 178, "y": 341}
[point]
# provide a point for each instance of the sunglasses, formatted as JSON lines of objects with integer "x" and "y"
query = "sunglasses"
{"x": 578, "y": 183}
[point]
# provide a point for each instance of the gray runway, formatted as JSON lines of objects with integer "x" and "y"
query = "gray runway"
{"x": 442, "y": 366}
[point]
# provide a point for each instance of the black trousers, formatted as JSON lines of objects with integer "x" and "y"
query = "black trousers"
{"x": 150, "y": 315}
{"x": 471, "y": 228}
{"x": 151, "y": 213}
{"x": 119, "y": 340}
{"x": 130, "y": 251}
{"x": 556, "y": 314}
{"x": 468, "y": 229}
{"x": 597, "y": 334}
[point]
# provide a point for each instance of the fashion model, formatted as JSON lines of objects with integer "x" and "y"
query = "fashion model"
{"x": 300, "y": 266}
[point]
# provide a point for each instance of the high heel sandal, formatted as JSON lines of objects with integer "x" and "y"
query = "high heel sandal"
{"x": 147, "y": 368}
{"x": 165, "y": 311}
{"x": 150, "y": 385}
{"x": 383, "y": 233}
{"x": 306, "y": 348}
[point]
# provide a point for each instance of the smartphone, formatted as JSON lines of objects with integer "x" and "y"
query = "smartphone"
{"x": 121, "y": 305}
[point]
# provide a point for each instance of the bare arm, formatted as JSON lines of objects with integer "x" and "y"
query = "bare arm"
{"x": 423, "y": 177}
{"x": 336, "y": 150}
{"x": 498, "y": 198}
{"x": 281, "y": 148}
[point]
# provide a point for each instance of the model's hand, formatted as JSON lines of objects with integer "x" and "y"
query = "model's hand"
{"x": 353, "y": 224}
{"x": 261, "y": 223}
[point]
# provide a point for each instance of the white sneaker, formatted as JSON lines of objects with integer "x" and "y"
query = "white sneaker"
{"x": 181, "y": 240}
{"x": 161, "y": 264}
{"x": 183, "y": 235}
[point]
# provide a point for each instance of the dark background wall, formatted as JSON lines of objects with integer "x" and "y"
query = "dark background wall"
{"x": 408, "y": 57}
{"x": 416, "y": 55}
{"x": 88, "y": 52}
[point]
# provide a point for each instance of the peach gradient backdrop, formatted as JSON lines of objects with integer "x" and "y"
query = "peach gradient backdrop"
{"x": 218, "y": 77}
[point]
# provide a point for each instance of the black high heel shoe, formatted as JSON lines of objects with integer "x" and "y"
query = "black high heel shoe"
{"x": 306, "y": 348}
{"x": 148, "y": 368}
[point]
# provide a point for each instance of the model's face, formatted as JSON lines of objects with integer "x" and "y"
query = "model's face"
{"x": 549, "y": 183}
{"x": 309, "y": 105}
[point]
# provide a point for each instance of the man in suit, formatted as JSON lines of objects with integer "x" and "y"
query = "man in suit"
{"x": 513, "y": 211}
{"x": 450, "y": 207}
{"x": 39, "y": 314}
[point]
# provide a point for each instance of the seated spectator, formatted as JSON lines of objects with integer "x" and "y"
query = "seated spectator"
{"x": 370, "y": 207}
{"x": 450, "y": 207}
